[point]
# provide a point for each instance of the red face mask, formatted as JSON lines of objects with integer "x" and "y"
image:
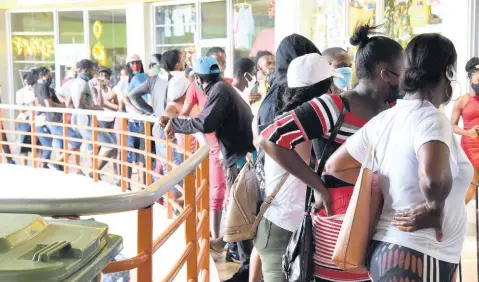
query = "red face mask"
{"x": 135, "y": 68}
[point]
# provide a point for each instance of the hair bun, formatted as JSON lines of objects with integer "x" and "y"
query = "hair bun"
{"x": 415, "y": 78}
{"x": 361, "y": 35}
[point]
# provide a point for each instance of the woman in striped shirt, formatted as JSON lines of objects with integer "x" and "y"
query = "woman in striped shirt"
{"x": 378, "y": 63}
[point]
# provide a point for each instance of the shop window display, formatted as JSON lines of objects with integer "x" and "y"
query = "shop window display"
{"x": 108, "y": 39}
{"x": 404, "y": 19}
{"x": 328, "y": 24}
{"x": 253, "y": 27}
{"x": 361, "y": 12}
{"x": 33, "y": 43}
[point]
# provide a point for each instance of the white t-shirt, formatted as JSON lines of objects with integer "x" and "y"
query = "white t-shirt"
{"x": 24, "y": 97}
{"x": 399, "y": 134}
{"x": 287, "y": 208}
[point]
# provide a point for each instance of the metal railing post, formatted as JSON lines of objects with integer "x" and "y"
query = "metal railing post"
{"x": 65, "y": 142}
{"x": 145, "y": 243}
{"x": 122, "y": 154}
{"x": 94, "y": 124}
{"x": 190, "y": 226}
{"x": 205, "y": 207}
{"x": 166, "y": 169}
{"x": 149, "y": 166}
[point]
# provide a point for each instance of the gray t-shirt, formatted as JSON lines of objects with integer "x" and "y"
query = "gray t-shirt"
{"x": 156, "y": 86}
{"x": 80, "y": 87}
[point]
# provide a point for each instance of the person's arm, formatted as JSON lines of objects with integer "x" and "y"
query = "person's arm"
{"x": 78, "y": 95}
{"x": 83, "y": 105}
{"x": 135, "y": 97}
{"x": 208, "y": 119}
{"x": 171, "y": 111}
{"x": 47, "y": 99}
{"x": 190, "y": 101}
{"x": 343, "y": 166}
{"x": 108, "y": 97}
{"x": 307, "y": 122}
{"x": 456, "y": 115}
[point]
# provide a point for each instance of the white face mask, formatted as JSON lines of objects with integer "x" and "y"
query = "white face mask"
{"x": 251, "y": 83}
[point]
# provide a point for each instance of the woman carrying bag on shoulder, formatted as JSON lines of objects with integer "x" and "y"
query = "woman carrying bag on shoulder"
{"x": 423, "y": 172}
{"x": 378, "y": 63}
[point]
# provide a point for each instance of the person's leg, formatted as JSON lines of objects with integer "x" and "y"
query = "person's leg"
{"x": 270, "y": 242}
{"x": 44, "y": 141}
{"x": 472, "y": 188}
{"x": 57, "y": 143}
{"x": 24, "y": 139}
{"x": 217, "y": 191}
{"x": 255, "y": 272}
{"x": 6, "y": 149}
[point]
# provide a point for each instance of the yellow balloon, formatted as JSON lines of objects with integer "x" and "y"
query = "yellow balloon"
{"x": 98, "y": 29}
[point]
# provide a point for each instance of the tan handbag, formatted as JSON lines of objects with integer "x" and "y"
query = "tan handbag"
{"x": 363, "y": 211}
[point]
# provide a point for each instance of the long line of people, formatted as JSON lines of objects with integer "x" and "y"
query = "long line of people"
{"x": 422, "y": 172}
{"x": 287, "y": 105}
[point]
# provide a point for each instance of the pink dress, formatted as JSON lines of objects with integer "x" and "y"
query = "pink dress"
{"x": 470, "y": 117}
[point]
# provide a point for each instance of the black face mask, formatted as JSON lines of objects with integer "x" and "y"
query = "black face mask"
{"x": 49, "y": 80}
{"x": 475, "y": 87}
{"x": 393, "y": 94}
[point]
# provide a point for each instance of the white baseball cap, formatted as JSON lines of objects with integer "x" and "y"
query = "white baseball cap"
{"x": 133, "y": 58}
{"x": 177, "y": 87}
{"x": 309, "y": 69}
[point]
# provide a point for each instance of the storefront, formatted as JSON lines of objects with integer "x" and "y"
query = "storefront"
{"x": 334, "y": 21}
{"x": 61, "y": 32}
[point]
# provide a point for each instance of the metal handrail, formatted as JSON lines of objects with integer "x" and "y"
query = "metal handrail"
{"x": 111, "y": 203}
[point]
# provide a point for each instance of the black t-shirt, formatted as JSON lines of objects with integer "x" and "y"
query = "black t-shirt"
{"x": 44, "y": 92}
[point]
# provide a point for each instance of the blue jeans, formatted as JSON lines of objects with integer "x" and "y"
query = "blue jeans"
{"x": 103, "y": 137}
{"x": 135, "y": 142}
{"x": 25, "y": 139}
{"x": 55, "y": 142}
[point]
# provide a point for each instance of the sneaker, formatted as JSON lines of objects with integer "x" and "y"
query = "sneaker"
{"x": 55, "y": 167}
{"x": 241, "y": 276}
{"x": 232, "y": 256}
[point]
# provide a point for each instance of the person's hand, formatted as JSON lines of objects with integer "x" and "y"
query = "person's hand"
{"x": 322, "y": 200}
{"x": 253, "y": 97}
{"x": 163, "y": 121}
{"x": 169, "y": 131}
{"x": 419, "y": 217}
{"x": 473, "y": 132}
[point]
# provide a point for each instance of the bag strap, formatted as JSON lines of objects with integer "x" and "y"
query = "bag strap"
{"x": 267, "y": 202}
{"x": 326, "y": 151}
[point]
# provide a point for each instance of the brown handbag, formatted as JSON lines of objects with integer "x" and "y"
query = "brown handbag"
{"x": 363, "y": 211}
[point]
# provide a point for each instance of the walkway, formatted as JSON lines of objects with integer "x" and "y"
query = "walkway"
{"x": 27, "y": 182}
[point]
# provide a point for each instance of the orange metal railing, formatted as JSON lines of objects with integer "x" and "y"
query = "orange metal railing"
{"x": 194, "y": 214}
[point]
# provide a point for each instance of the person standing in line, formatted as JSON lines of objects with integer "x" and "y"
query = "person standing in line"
{"x": 229, "y": 117}
{"x": 379, "y": 60}
{"x": 47, "y": 97}
{"x": 217, "y": 181}
{"x": 219, "y": 55}
{"x": 423, "y": 172}
{"x": 341, "y": 61}
{"x": 264, "y": 62}
{"x": 25, "y": 97}
{"x": 83, "y": 99}
{"x": 467, "y": 107}
{"x": 154, "y": 67}
{"x": 244, "y": 77}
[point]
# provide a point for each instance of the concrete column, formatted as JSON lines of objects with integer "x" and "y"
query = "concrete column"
{"x": 5, "y": 97}
{"x": 293, "y": 16}
{"x": 138, "y": 30}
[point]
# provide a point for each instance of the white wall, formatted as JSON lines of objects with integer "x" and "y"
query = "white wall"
{"x": 292, "y": 16}
{"x": 4, "y": 80}
{"x": 138, "y": 30}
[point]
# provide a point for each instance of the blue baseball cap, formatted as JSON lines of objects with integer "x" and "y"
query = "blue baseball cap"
{"x": 203, "y": 65}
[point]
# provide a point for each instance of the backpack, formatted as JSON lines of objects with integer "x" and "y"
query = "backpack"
{"x": 246, "y": 206}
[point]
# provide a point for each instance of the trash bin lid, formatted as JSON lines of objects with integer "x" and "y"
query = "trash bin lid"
{"x": 34, "y": 249}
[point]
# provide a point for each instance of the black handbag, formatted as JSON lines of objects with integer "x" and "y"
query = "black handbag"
{"x": 298, "y": 263}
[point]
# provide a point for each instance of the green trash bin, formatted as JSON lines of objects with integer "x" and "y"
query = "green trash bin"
{"x": 35, "y": 249}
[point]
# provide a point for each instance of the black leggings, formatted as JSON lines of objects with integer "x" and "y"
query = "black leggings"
{"x": 389, "y": 262}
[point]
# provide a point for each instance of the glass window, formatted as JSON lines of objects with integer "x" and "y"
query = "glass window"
{"x": 33, "y": 44}
{"x": 175, "y": 27}
{"x": 405, "y": 19}
{"x": 328, "y": 28}
{"x": 71, "y": 27}
{"x": 253, "y": 28}
{"x": 361, "y": 12}
{"x": 213, "y": 20}
{"x": 32, "y": 22}
{"x": 108, "y": 39}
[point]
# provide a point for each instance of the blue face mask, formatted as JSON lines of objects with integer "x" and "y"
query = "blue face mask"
{"x": 199, "y": 85}
{"x": 343, "y": 82}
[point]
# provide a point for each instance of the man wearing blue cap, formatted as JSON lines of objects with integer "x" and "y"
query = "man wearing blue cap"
{"x": 229, "y": 117}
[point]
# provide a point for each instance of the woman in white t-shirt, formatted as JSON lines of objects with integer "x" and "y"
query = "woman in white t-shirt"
{"x": 423, "y": 172}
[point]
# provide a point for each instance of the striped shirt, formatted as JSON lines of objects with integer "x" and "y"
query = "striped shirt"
{"x": 312, "y": 120}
